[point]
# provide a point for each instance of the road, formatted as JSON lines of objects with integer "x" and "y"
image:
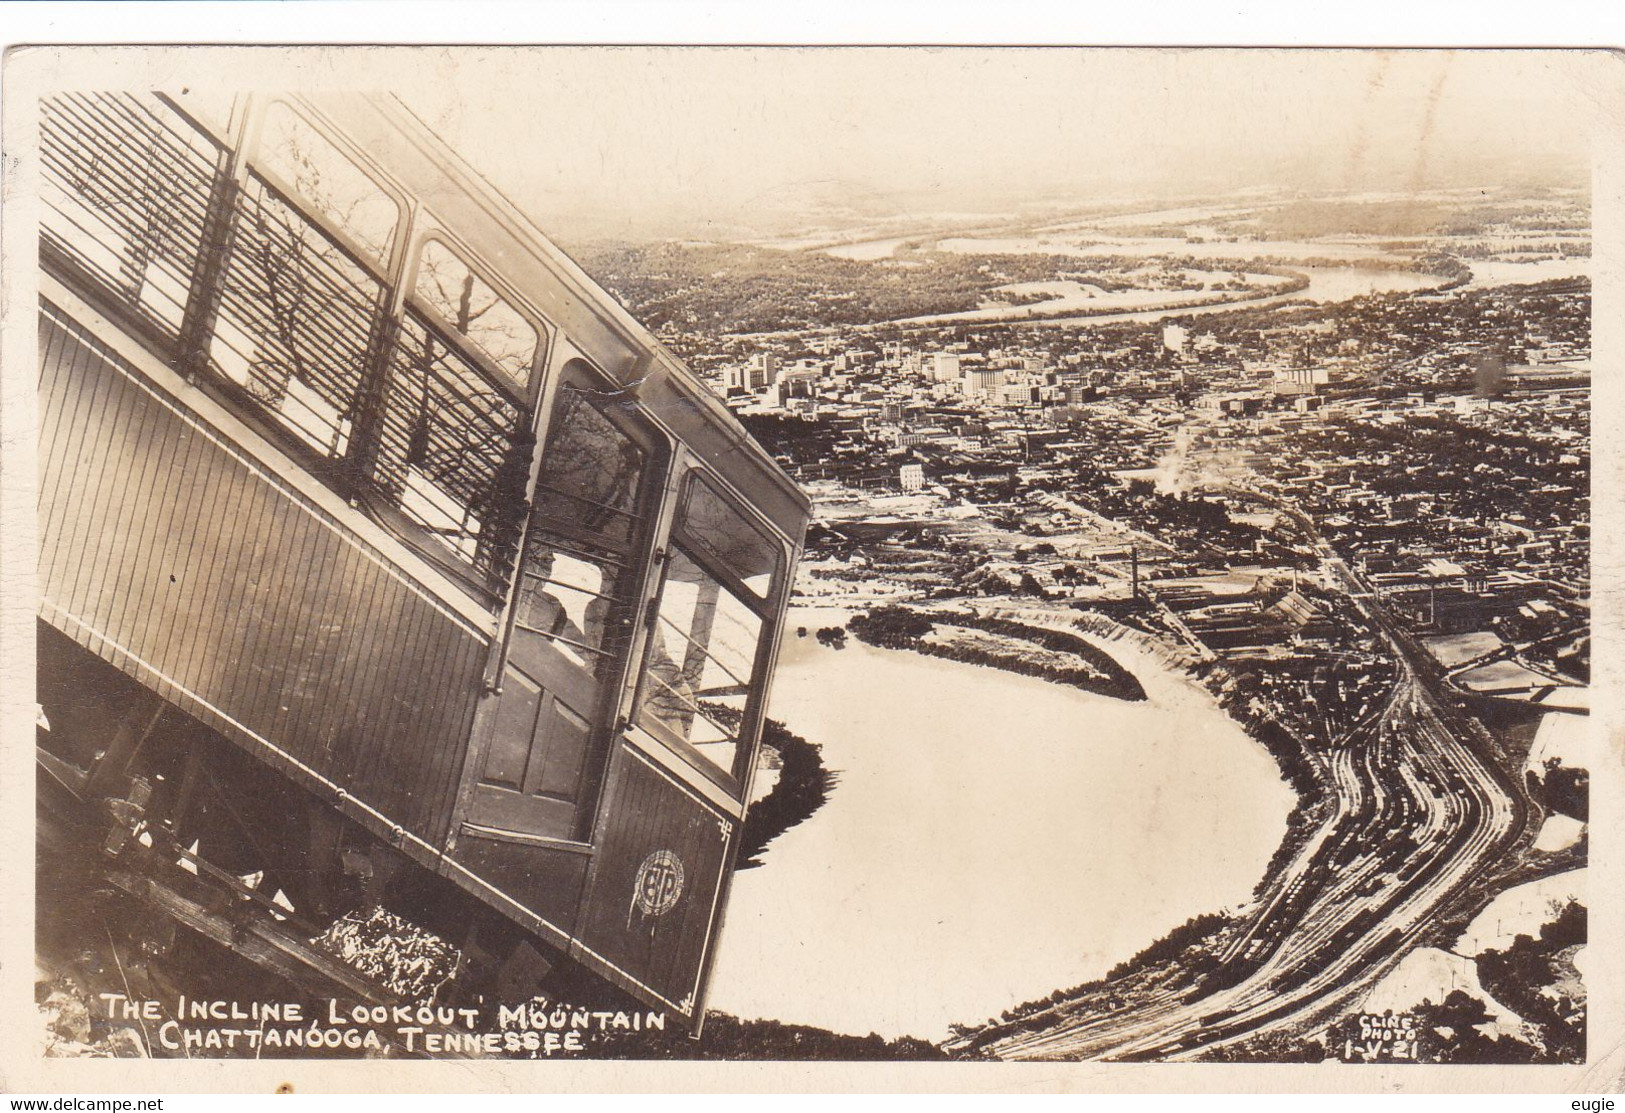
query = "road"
{"x": 1421, "y": 811}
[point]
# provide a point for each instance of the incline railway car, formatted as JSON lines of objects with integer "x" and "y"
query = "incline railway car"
{"x": 384, "y": 558}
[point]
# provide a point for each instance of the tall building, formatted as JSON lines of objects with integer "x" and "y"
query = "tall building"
{"x": 980, "y": 382}
{"x": 791, "y": 384}
{"x": 763, "y": 371}
{"x": 1300, "y": 380}
{"x": 945, "y": 367}
{"x": 1018, "y": 394}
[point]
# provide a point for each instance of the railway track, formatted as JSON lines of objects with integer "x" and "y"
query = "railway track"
{"x": 1421, "y": 810}
{"x": 140, "y": 925}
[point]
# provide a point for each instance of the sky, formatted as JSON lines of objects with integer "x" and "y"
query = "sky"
{"x": 686, "y": 140}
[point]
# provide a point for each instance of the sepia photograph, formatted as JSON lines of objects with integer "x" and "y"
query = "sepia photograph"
{"x": 833, "y": 555}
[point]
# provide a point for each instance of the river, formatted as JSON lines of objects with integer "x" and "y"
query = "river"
{"x": 1366, "y": 270}
{"x": 992, "y": 838}
{"x": 1326, "y": 284}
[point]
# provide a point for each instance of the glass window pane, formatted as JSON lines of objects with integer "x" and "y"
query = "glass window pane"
{"x": 448, "y": 519}
{"x": 304, "y": 159}
{"x": 568, "y": 594}
{"x": 590, "y": 471}
{"x": 702, "y": 657}
{"x": 452, "y": 449}
{"x": 126, "y": 186}
{"x": 295, "y": 314}
{"x": 734, "y": 541}
{"x": 476, "y": 311}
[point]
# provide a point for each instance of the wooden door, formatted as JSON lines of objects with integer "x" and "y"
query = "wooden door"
{"x": 580, "y": 579}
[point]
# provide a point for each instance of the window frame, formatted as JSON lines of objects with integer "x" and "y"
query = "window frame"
{"x": 427, "y": 231}
{"x": 643, "y": 539}
{"x": 644, "y": 551}
{"x": 423, "y": 538}
{"x": 396, "y": 270}
{"x": 117, "y": 118}
{"x": 257, "y": 163}
{"x": 768, "y": 607}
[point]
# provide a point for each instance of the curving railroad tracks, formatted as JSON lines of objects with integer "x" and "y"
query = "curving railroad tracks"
{"x": 1422, "y": 810}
